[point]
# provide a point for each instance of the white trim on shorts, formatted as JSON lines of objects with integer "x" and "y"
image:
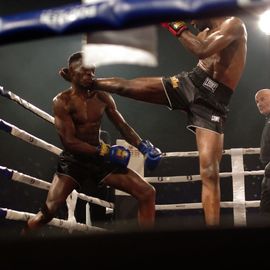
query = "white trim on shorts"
{"x": 189, "y": 128}
{"x": 169, "y": 101}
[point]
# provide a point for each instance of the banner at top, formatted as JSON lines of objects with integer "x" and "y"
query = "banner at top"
{"x": 112, "y": 15}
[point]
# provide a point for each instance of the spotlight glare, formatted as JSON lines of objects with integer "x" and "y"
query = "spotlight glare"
{"x": 264, "y": 22}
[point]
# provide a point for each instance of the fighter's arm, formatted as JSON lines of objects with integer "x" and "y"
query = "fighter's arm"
{"x": 151, "y": 154}
{"x": 204, "y": 46}
{"x": 66, "y": 129}
{"x": 128, "y": 133}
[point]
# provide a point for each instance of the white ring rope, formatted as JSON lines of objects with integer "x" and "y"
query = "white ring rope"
{"x": 32, "y": 181}
{"x": 27, "y": 137}
{"x": 26, "y": 105}
{"x": 66, "y": 224}
{"x": 191, "y": 178}
{"x": 188, "y": 206}
{"x": 245, "y": 151}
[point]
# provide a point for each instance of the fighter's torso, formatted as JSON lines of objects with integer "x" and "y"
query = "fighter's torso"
{"x": 86, "y": 112}
{"x": 227, "y": 66}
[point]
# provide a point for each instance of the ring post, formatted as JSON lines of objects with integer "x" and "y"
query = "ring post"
{"x": 238, "y": 184}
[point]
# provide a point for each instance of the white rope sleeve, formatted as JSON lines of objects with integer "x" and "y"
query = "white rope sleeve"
{"x": 24, "y": 216}
{"x": 87, "y": 214}
{"x": 32, "y": 181}
{"x": 29, "y": 180}
{"x": 186, "y": 206}
{"x": 246, "y": 151}
{"x": 95, "y": 200}
{"x": 27, "y": 137}
{"x": 192, "y": 178}
{"x": 26, "y": 105}
{"x": 238, "y": 185}
{"x": 71, "y": 202}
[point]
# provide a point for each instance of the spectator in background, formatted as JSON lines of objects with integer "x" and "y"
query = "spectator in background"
{"x": 262, "y": 99}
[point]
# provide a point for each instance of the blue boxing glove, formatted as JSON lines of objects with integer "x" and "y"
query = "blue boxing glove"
{"x": 116, "y": 154}
{"x": 119, "y": 155}
{"x": 151, "y": 154}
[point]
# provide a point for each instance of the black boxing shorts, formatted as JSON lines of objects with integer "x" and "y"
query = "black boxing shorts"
{"x": 203, "y": 99}
{"x": 265, "y": 191}
{"x": 82, "y": 168}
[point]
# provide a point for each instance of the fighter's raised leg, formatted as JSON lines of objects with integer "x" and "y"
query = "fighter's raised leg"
{"x": 144, "y": 89}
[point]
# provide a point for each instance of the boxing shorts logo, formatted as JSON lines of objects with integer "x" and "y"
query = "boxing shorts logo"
{"x": 215, "y": 118}
{"x": 174, "y": 81}
{"x": 210, "y": 84}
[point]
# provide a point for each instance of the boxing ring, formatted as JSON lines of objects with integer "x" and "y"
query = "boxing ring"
{"x": 239, "y": 203}
{"x": 114, "y": 15}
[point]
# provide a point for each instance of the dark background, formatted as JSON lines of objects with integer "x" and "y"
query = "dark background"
{"x": 30, "y": 70}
